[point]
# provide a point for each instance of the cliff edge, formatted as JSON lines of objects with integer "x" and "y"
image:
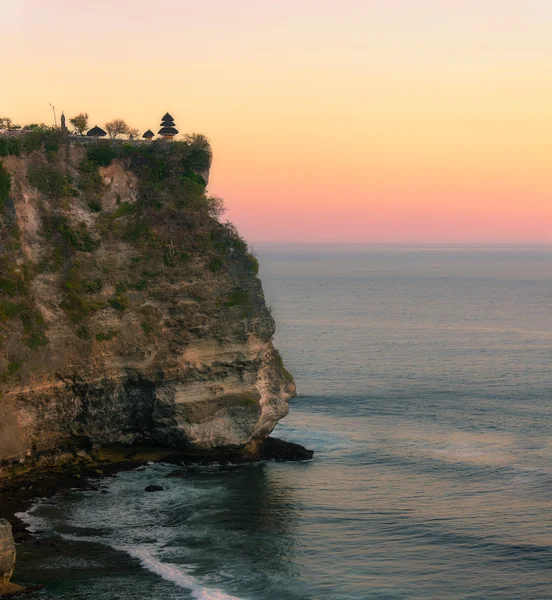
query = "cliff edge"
{"x": 128, "y": 312}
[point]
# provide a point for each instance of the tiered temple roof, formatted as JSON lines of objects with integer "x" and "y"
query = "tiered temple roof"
{"x": 168, "y": 129}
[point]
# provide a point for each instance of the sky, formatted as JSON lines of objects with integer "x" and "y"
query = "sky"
{"x": 350, "y": 121}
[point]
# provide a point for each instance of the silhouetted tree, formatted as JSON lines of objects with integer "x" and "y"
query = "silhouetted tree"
{"x": 116, "y": 127}
{"x": 80, "y": 122}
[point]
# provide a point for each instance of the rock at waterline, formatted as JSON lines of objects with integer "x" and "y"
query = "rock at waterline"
{"x": 7, "y": 559}
{"x": 154, "y": 488}
{"x": 280, "y": 450}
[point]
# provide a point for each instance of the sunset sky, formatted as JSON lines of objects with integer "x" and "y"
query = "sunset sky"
{"x": 330, "y": 120}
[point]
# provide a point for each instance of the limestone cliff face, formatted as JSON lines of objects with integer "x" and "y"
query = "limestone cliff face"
{"x": 128, "y": 312}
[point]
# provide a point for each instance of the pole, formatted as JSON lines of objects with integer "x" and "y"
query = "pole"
{"x": 53, "y": 108}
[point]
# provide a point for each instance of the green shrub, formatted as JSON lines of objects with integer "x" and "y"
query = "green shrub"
{"x": 252, "y": 263}
{"x": 90, "y": 180}
{"x": 280, "y": 362}
{"x": 140, "y": 285}
{"x": 173, "y": 256}
{"x": 76, "y": 305}
{"x": 14, "y": 366}
{"x": 199, "y": 154}
{"x": 100, "y": 154}
{"x": 10, "y": 146}
{"x": 92, "y": 286}
{"x": 9, "y": 310}
{"x": 95, "y": 205}
{"x": 147, "y": 327}
{"x": 216, "y": 264}
{"x": 237, "y": 297}
{"x": 33, "y": 140}
{"x": 34, "y": 328}
{"x": 83, "y": 333}
{"x": 13, "y": 286}
{"x": 124, "y": 209}
{"x": 106, "y": 336}
{"x": 138, "y": 231}
{"x": 5, "y": 185}
{"x": 75, "y": 301}
{"x": 50, "y": 181}
{"x": 51, "y": 146}
{"x": 119, "y": 302}
{"x": 79, "y": 238}
{"x": 248, "y": 399}
{"x": 225, "y": 239}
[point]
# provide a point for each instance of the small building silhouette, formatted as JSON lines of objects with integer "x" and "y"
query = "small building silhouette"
{"x": 168, "y": 130}
{"x": 96, "y": 132}
{"x": 148, "y": 135}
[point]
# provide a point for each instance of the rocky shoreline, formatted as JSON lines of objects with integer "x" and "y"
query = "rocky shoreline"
{"x": 46, "y": 476}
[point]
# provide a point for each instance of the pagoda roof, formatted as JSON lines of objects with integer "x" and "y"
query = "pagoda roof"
{"x": 168, "y": 130}
{"x": 167, "y": 117}
{"x": 148, "y": 134}
{"x": 96, "y": 132}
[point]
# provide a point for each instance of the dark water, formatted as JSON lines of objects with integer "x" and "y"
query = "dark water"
{"x": 426, "y": 381}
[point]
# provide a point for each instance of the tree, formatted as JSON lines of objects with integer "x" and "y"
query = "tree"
{"x": 80, "y": 122}
{"x": 5, "y": 123}
{"x": 133, "y": 133}
{"x": 116, "y": 127}
{"x": 200, "y": 155}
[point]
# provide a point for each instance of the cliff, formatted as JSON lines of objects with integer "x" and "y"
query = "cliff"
{"x": 128, "y": 312}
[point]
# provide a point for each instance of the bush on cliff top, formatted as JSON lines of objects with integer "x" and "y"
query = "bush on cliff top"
{"x": 40, "y": 137}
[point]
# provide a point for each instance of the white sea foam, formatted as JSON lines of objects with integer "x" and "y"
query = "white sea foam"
{"x": 174, "y": 574}
{"x": 33, "y": 522}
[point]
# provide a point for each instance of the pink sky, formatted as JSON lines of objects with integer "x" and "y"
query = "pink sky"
{"x": 351, "y": 121}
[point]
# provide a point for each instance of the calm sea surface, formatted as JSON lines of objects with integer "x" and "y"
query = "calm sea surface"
{"x": 425, "y": 381}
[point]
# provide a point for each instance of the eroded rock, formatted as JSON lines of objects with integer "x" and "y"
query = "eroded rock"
{"x": 7, "y": 559}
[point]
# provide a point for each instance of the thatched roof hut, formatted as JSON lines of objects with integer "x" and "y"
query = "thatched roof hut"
{"x": 148, "y": 134}
{"x": 96, "y": 132}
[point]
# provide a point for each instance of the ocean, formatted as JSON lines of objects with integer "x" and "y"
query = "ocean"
{"x": 425, "y": 387}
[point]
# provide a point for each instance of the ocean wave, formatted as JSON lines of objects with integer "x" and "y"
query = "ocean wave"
{"x": 169, "y": 572}
{"x": 174, "y": 574}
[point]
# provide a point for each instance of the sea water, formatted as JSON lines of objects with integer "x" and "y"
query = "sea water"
{"x": 425, "y": 383}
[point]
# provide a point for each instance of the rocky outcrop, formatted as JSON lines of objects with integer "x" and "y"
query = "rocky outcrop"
{"x": 7, "y": 559}
{"x": 128, "y": 312}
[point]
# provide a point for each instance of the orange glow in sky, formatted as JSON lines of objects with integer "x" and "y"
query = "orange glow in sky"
{"x": 331, "y": 121}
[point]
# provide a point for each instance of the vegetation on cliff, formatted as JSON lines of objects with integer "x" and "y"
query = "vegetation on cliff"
{"x": 128, "y": 311}
{"x": 172, "y": 222}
